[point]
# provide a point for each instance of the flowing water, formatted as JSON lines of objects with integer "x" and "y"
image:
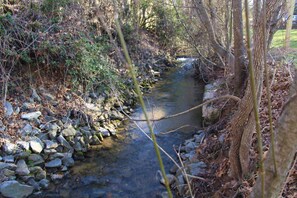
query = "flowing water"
{"x": 126, "y": 166}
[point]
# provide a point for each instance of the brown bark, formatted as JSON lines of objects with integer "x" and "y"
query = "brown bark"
{"x": 285, "y": 149}
{"x": 243, "y": 122}
{"x": 239, "y": 50}
{"x": 216, "y": 46}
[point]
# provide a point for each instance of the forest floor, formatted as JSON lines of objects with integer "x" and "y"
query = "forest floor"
{"x": 215, "y": 153}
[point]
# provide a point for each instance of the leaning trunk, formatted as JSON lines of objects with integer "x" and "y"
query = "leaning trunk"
{"x": 243, "y": 123}
{"x": 285, "y": 149}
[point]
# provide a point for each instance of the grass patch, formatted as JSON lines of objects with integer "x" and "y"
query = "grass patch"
{"x": 279, "y": 38}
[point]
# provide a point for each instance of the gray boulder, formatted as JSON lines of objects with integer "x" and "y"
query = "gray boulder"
{"x": 54, "y": 163}
{"x": 14, "y": 189}
{"x": 24, "y": 145}
{"x": 63, "y": 142}
{"x": 35, "y": 159}
{"x": 68, "y": 161}
{"x": 8, "y": 158}
{"x": 44, "y": 183}
{"x": 36, "y": 146}
{"x": 8, "y": 173}
{"x": 9, "y": 148}
{"x": 38, "y": 172}
{"x": 22, "y": 168}
{"x": 52, "y": 130}
{"x": 50, "y": 144}
{"x": 69, "y": 131}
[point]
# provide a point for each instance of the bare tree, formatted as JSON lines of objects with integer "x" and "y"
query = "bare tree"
{"x": 243, "y": 122}
{"x": 217, "y": 47}
{"x": 239, "y": 48}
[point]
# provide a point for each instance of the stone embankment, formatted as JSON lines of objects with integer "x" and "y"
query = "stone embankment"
{"x": 46, "y": 145}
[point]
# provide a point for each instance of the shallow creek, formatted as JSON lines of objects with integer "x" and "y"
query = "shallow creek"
{"x": 126, "y": 166}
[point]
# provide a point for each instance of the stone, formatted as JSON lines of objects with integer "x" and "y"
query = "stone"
{"x": 55, "y": 177}
{"x": 92, "y": 107}
{"x": 8, "y": 109}
{"x": 36, "y": 146}
{"x": 38, "y": 172}
{"x": 31, "y": 116}
{"x": 63, "y": 142}
{"x": 8, "y": 173}
{"x": 8, "y": 158}
{"x": 95, "y": 140}
{"x": 69, "y": 131}
{"x": 49, "y": 151}
{"x": 27, "y": 130}
{"x": 68, "y": 161}
{"x": 198, "y": 138}
{"x": 86, "y": 131}
{"x": 115, "y": 115}
{"x": 33, "y": 183}
{"x": 52, "y": 130}
{"x": 57, "y": 155}
{"x": 49, "y": 97}
{"x": 50, "y": 144}
{"x": 190, "y": 146}
{"x": 171, "y": 179}
{"x": 35, "y": 159}
{"x": 23, "y": 155}
{"x": 77, "y": 146}
{"x": 25, "y": 106}
{"x": 35, "y": 95}
{"x": 44, "y": 183}
{"x": 9, "y": 166}
{"x": 9, "y": 148}
{"x": 196, "y": 168}
{"x": 54, "y": 163}
{"x": 103, "y": 131}
{"x": 23, "y": 145}
{"x": 22, "y": 168}
{"x": 14, "y": 189}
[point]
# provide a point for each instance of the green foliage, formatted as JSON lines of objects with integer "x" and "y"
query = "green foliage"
{"x": 91, "y": 66}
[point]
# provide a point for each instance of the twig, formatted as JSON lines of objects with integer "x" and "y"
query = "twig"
{"x": 254, "y": 97}
{"x": 193, "y": 108}
{"x": 173, "y": 130}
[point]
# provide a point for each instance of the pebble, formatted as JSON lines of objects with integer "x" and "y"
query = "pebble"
{"x": 31, "y": 116}
{"x": 8, "y": 109}
{"x": 36, "y": 146}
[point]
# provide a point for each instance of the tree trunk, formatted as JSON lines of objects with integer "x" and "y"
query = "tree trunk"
{"x": 291, "y": 5}
{"x": 239, "y": 50}
{"x": 243, "y": 122}
{"x": 285, "y": 149}
{"x": 216, "y": 46}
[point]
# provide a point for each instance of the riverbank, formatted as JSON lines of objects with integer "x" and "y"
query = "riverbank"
{"x": 208, "y": 159}
{"x": 47, "y": 128}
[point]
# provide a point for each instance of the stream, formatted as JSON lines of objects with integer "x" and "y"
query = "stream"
{"x": 127, "y": 166}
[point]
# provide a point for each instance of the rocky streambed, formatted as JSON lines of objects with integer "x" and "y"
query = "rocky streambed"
{"x": 75, "y": 156}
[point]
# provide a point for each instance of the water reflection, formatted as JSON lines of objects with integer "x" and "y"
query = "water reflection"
{"x": 127, "y": 167}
